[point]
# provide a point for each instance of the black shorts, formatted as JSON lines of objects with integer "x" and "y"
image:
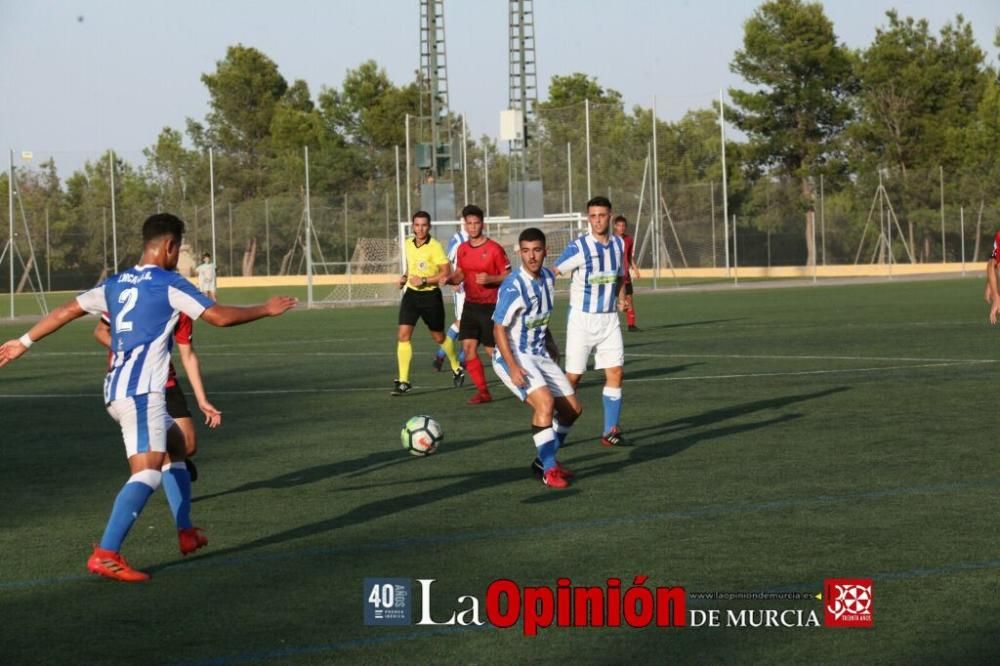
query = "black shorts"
{"x": 477, "y": 323}
{"x": 426, "y": 305}
{"x": 628, "y": 288}
{"x": 177, "y": 406}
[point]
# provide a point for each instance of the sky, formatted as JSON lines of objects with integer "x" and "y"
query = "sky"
{"x": 80, "y": 76}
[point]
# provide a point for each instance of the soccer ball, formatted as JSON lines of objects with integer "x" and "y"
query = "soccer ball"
{"x": 421, "y": 435}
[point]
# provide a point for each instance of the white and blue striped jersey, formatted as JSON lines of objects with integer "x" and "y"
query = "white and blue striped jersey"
{"x": 524, "y": 306}
{"x": 143, "y": 304}
{"x": 452, "y": 251}
{"x": 595, "y": 269}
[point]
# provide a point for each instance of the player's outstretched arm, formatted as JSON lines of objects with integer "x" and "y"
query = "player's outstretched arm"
{"x": 192, "y": 367}
{"x": 233, "y": 315}
{"x": 623, "y": 298}
{"x": 49, "y": 324}
{"x": 550, "y": 346}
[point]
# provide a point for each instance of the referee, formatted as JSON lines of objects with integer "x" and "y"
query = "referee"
{"x": 427, "y": 268}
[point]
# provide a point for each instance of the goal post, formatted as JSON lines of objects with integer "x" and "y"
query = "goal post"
{"x": 371, "y": 277}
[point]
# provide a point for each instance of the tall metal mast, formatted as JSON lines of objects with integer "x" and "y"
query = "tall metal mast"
{"x": 434, "y": 86}
{"x": 523, "y": 82}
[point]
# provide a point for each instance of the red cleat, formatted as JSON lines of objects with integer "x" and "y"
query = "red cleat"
{"x": 613, "y": 437}
{"x": 111, "y": 564}
{"x": 480, "y": 398}
{"x": 564, "y": 472}
{"x": 191, "y": 539}
{"x": 553, "y": 479}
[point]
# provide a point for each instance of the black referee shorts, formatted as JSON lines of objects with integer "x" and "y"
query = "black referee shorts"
{"x": 426, "y": 305}
{"x": 628, "y": 288}
{"x": 477, "y": 323}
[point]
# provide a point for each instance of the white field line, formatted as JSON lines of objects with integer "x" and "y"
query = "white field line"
{"x": 748, "y": 375}
{"x": 805, "y": 372}
{"x": 807, "y": 357}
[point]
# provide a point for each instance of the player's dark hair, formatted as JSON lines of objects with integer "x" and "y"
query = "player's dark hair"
{"x": 160, "y": 225}
{"x": 472, "y": 209}
{"x": 621, "y": 218}
{"x": 531, "y": 234}
{"x": 421, "y": 213}
{"x": 603, "y": 202}
{"x": 206, "y": 255}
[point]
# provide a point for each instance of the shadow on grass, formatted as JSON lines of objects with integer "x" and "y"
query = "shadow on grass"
{"x": 349, "y": 468}
{"x": 685, "y": 324}
{"x": 663, "y": 445}
{"x": 475, "y": 482}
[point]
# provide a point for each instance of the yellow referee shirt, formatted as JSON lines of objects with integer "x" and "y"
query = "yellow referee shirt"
{"x": 423, "y": 261}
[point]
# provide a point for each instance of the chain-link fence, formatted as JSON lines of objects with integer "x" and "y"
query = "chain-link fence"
{"x": 77, "y": 216}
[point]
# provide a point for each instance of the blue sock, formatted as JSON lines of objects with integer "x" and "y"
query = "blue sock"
{"x": 612, "y": 407}
{"x": 545, "y": 445}
{"x": 561, "y": 432}
{"x": 453, "y": 334}
{"x": 177, "y": 487}
{"x": 128, "y": 505}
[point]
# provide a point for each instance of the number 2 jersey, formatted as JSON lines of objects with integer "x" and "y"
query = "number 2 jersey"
{"x": 143, "y": 305}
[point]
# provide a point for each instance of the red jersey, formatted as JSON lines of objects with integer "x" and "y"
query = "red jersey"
{"x": 996, "y": 248}
{"x": 629, "y": 251}
{"x": 183, "y": 334}
{"x": 488, "y": 258}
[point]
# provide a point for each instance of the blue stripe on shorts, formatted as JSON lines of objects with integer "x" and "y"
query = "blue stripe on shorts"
{"x": 142, "y": 423}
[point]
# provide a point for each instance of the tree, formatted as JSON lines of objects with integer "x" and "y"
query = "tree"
{"x": 368, "y": 112}
{"x": 244, "y": 92}
{"x": 919, "y": 95}
{"x": 803, "y": 78}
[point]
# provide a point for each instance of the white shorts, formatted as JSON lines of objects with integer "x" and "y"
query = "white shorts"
{"x": 206, "y": 286}
{"x": 598, "y": 333}
{"x": 144, "y": 422}
{"x": 538, "y": 370}
{"x": 458, "y": 299}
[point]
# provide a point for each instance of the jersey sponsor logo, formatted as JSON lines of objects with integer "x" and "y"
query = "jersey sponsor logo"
{"x": 602, "y": 278}
{"x": 535, "y": 322}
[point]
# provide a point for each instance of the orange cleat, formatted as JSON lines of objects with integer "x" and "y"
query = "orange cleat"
{"x": 111, "y": 564}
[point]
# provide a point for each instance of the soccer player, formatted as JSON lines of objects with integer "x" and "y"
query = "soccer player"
{"x": 427, "y": 269}
{"x": 206, "y": 276}
{"x": 526, "y": 356}
{"x": 597, "y": 290}
{"x": 143, "y": 304}
{"x": 457, "y": 300}
{"x": 177, "y": 407}
{"x": 481, "y": 265}
{"x": 992, "y": 291}
{"x": 631, "y": 270}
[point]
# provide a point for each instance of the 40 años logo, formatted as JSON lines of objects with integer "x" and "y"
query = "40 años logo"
{"x": 565, "y": 605}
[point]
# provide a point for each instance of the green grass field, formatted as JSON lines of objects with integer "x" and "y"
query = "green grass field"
{"x": 778, "y": 437}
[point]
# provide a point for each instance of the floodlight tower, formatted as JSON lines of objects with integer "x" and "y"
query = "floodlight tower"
{"x": 525, "y": 182}
{"x": 434, "y": 89}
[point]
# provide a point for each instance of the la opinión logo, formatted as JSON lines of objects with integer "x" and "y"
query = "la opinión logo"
{"x": 565, "y": 605}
